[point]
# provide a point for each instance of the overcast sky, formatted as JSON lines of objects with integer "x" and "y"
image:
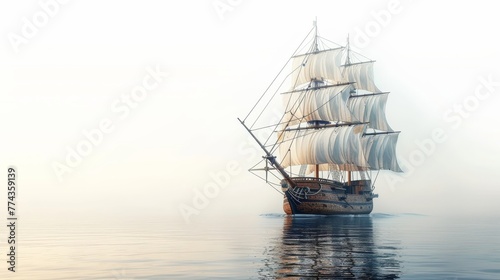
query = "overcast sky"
{"x": 130, "y": 107}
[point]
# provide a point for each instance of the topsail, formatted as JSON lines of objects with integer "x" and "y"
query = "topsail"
{"x": 317, "y": 66}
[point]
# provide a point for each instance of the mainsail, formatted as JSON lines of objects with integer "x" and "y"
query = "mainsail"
{"x": 380, "y": 151}
{"x": 333, "y": 145}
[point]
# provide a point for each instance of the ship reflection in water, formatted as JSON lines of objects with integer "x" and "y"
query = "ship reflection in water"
{"x": 325, "y": 247}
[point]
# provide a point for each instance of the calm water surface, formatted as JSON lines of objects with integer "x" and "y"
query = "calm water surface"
{"x": 271, "y": 246}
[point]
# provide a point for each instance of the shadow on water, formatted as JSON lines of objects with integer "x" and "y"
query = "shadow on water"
{"x": 326, "y": 247}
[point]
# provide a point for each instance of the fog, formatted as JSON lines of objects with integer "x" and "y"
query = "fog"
{"x": 123, "y": 108}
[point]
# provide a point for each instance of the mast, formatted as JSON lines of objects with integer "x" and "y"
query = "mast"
{"x": 317, "y": 84}
{"x": 348, "y": 59}
{"x": 348, "y": 62}
{"x": 315, "y": 44}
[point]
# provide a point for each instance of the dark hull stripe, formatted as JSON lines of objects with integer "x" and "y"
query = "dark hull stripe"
{"x": 334, "y": 202}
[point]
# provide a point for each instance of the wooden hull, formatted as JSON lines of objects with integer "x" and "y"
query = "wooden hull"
{"x": 326, "y": 197}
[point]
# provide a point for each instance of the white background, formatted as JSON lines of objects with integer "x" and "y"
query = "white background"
{"x": 220, "y": 56}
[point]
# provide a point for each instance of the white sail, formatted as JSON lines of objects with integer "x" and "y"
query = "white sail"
{"x": 380, "y": 150}
{"x": 322, "y": 65}
{"x": 370, "y": 108}
{"x": 333, "y": 145}
{"x": 327, "y": 103}
{"x": 361, "y": 74}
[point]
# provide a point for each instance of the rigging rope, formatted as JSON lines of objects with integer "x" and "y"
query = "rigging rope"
{"x": 258, "y": 101}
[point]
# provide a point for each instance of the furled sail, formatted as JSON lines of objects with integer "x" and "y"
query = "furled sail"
{"x": 321, "y": 65}
{"x": 326, "y": 103}
{"x": 380, "y": 150}
{"x": 333, "y": 145}
{"x": 360, "y": 73}
{"x": 370, "y": 108}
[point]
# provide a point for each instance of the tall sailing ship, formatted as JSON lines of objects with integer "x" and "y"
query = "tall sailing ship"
{"x": 332, "y": 135}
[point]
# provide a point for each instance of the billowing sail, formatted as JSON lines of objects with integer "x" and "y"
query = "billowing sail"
{"x": 370, "y": 108}
{"x": 333, "y": 145}
{"x": 322, "y": 65}
{"x": 325, "y": 103}
{"x": 361, "y": 74}
{"x": 380, "y": 150}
